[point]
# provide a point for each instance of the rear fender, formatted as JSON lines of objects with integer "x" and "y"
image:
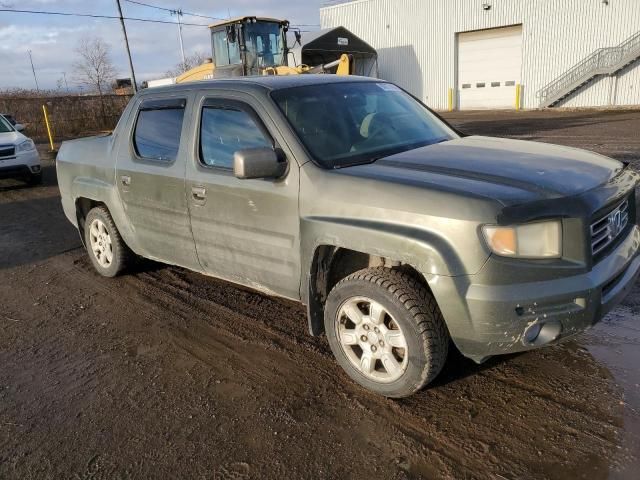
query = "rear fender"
{"x": 105, "y": 193}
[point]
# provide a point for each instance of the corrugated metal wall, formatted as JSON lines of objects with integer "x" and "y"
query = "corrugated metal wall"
{"x": 416, "y": 41}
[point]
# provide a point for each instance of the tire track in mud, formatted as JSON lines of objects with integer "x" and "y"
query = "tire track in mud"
{"x": 199, "y": 343}
{"x": 172, "y": 290}
{"x": 182, "y": 296}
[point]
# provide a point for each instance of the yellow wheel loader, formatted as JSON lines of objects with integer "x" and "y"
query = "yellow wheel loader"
{"x": 259, "y": 46}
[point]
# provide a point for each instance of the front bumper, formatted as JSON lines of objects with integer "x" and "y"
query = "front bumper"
{"x": 20, "y": 165}
{"x": 487, "y": 320}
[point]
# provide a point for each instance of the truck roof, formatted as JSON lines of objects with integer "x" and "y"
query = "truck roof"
{"x": 230, "y": 21}
{"x": 262, "y": 82}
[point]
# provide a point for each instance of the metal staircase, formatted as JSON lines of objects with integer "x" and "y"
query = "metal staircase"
{"x": 604, "y": 61}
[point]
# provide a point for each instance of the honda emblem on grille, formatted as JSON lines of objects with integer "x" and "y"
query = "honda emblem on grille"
{"x": 615, "y": 224}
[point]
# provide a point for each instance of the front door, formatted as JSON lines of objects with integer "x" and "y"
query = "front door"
{"x": 150, "y": 173}
{"x": 246, "y": 231}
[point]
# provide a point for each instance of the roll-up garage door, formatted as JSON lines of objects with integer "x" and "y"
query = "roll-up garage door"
{"x": 489, "y": 67}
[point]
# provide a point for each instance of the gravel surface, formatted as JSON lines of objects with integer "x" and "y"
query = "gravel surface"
{"x": 165, "y": 373}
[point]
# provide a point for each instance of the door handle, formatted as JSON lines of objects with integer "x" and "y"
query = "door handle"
{"x": 126, "y": 180}
{"x": 199, "y": 193}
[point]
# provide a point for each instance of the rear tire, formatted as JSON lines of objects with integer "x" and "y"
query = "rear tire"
{"x": 109, "y": 254}
{"x": 386, "y": 331}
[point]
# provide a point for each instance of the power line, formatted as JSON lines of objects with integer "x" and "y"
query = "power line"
{"x": 147, "y": 5}
{"x": 111, "y": 17}
{"x": 172, "y": 10}
{"x": 88, "y": 15}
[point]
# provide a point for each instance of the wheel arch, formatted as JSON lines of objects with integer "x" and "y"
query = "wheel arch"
{"x": 425, "y": 251}
{"x": 83, "y": 206}
{"x": 330, "y": 264}
{"x": 87, "y": 193}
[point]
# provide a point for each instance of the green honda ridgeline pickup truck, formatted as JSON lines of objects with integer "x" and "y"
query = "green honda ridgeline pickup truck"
{"x": 397, "y": 232}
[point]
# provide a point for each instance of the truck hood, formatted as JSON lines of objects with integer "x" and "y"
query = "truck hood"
{"x": 510, "y": 171}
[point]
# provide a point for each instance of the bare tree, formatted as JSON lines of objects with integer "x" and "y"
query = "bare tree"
{"x": 198, "y": 58}
{"x": 94, "y": 67}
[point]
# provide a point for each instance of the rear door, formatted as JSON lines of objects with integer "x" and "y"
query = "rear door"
{"x": 246, "y": 231}
{"x": 150, "y": 173}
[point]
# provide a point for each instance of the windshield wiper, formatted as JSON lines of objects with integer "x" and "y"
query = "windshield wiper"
{"x": 390, "y": 152}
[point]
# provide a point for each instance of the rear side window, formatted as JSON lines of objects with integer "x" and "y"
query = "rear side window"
{"x": 158, "y": 130}
{"x": 224, "y": 130}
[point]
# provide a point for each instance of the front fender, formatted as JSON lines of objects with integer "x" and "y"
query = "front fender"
{"x": 428, "y": 252}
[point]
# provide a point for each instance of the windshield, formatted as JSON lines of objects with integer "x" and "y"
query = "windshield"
{"x": 264, "y": 46}
{"x": 5, "y": 126}
{"x": 344, "y": 124}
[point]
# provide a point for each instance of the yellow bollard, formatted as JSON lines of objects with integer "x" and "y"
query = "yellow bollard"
{"x": 518, "y": 96}
{"x": 451, "y": 99}
{"x": 46, "y": 121}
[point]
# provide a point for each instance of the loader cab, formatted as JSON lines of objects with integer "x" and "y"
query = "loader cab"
{"x": 248, "y": 46}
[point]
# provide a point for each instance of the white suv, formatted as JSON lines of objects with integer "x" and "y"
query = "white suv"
{"x": 18, "y": 154}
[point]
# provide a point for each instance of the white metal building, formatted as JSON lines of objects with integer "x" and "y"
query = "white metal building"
{"x": 471, "y": 54}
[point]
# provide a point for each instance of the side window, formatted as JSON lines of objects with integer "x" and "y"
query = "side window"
{"x": 220, "y": 49}
{"x": 234, "y": 54}
{"x": 158, "y": 130}
{"x": 224, "y": 131}
{"x": 224, "y": 51}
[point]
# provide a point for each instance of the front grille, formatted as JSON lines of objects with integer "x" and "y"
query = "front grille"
{"x": 608, "y": 228}
{"x": 7, "y": 151}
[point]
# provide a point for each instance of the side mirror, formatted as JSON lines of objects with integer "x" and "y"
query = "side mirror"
{"x": 261, "y": 162}
{"x": 19, "y": 127}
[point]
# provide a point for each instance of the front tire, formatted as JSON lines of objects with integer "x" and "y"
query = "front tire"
{"x": 109, "y": 254}
{"x": 34, "y": 179}
{"x": 386, "y": 331}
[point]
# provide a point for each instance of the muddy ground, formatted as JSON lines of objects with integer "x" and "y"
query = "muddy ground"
{"x": 164, "y": 373}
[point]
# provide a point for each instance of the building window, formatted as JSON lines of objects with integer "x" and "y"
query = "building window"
{"x": 495, "y": 84}
{"x": 480, "y": 85}
{"x": 510, "y": 83}
{"x": 466, "y": 85}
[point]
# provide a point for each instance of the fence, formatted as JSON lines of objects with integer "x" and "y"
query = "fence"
{"x": 70, "y": 116}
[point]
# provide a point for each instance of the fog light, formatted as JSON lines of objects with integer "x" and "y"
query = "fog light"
{"x": 35, "y": 169}
{"x": 531, "y": 333}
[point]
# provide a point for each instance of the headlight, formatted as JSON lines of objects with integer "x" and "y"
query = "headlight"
{"x": 26, "y": 146}
{"x": 529, "y": 240}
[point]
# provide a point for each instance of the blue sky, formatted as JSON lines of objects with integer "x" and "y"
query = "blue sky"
{"x": 155, "y": 47}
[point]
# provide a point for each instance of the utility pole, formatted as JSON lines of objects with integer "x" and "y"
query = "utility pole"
{"x": 34, "y": 71}
{"x": 64, "y": 74}
{"x": 126, "y": 42}
{"x": 178, "y": 13}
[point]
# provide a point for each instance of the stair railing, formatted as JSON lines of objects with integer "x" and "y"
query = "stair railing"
{"x": 603, "y": 60}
